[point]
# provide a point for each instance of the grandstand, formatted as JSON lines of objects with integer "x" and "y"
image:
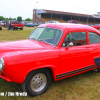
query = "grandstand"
{"x": 41, "y": 15}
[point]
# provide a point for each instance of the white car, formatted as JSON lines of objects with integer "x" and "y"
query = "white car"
{"x": 54, "y": 22}
{"x": 2, "y": 22}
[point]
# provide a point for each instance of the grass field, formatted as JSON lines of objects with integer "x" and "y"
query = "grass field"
{"x": 85, "y": 86}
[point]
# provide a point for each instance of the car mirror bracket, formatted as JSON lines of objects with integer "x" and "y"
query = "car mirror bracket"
{"x": 70, "y": 45}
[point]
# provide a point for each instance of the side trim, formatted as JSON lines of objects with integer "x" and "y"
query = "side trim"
{"x": 74, "y": 72}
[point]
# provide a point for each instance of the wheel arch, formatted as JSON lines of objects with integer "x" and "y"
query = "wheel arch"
{"x": 50, "y": 69}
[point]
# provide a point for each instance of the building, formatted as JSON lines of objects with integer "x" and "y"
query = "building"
{"x": 41, "y": 15}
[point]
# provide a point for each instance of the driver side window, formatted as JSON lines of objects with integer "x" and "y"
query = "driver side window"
{"x": 77, "y": 38}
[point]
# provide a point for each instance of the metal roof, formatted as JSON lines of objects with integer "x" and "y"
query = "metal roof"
{"x": 67, "y": 13}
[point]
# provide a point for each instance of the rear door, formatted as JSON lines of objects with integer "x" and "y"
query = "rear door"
{"x": 94, "y": 43}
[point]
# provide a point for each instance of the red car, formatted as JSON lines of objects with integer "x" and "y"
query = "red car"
{"x": 96, "y": 26}
{"x": 72, "y": 21}
{"x": 14, "y": 25}
{"x": 51, "y": 51}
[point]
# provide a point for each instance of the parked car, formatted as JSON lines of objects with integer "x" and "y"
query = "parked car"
{"x": 2, "y": 22}
{"x": 29, "y": 25}
{"x": 51, "y": 51}
{"x": 96, "y": 26}
{"x": 54, "y": 22}
{"x": 0, "y": 26}
{"x": 36, "y": 24}
{"x": 89, "y": 24}
{"x": 73, "y": 21}
{"x": 14, "y": 25}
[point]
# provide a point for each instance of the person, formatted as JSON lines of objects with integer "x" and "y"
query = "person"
{"x": 8, "y": 25}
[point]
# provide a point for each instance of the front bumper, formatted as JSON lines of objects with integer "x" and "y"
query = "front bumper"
{"x": 4, "y": 77}
{"x": 18, "y": 27}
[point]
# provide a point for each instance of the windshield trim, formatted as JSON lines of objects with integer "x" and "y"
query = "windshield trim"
{"x": 46, "y": 41}
{"x": 34, "y": 29}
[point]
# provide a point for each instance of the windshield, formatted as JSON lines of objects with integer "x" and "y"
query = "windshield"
{"x": 16, "y": 22}
{"x": 48, "y": 35}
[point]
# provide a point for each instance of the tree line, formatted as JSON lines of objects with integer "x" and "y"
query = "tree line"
{"x": 19, "y": 18}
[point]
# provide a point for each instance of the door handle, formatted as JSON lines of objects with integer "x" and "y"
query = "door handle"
{"x": 88, "y": 46}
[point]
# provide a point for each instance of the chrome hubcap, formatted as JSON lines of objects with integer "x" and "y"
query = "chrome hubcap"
{"x": 38, "y": 82}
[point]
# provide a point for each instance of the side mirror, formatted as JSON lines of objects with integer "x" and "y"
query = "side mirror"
{"x": 70, "y": 45}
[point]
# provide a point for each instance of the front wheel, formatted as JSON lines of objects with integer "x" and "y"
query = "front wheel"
{"x": 37, "y": 82}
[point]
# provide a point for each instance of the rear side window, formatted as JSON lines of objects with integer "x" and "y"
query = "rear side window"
{"x": 93, "y": 38}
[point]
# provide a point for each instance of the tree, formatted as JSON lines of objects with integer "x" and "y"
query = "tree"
{"x": 14, "y": 18}
{"x": 28, "y": 19}
{"x": 19, "y": 18}
{"x": 1, "y": 18}
{"x": 10, "y": 18}
{"x": 6, "y": 18}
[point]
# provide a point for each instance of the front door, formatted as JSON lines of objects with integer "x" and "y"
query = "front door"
{"x": 78, "y": 58}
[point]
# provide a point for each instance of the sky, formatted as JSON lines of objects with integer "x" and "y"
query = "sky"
{"x": 24, "y": 8}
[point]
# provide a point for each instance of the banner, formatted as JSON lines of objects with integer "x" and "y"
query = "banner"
{"x": 96, "y": 16}
{"x": 40, "y": 11}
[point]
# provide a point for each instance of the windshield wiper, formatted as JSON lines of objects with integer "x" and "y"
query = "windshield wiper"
{"x": 32, "y": 38}
{"x": 42, "y": 40}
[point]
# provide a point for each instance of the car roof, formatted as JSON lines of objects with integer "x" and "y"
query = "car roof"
{"x": 70, "y": 27}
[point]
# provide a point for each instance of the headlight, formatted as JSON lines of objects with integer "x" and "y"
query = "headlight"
{"x": 1, "y": 63}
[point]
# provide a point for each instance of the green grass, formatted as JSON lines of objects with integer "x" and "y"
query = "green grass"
{"x": 85, "y": 86}
{"x": 12, "y": 35}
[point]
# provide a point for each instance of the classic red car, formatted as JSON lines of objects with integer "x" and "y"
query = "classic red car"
{"x": 55, "y": 51}
{"x": 96, "y": 26}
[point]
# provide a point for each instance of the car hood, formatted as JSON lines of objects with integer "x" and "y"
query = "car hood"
{"x": 22, "y": 45}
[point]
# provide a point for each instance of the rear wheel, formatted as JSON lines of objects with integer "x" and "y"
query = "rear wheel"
{"x": 21, "y": 28}
{"x": 37, "y": 82}
{"x": 1, "y": 28}
{"x": 98, "y": 70}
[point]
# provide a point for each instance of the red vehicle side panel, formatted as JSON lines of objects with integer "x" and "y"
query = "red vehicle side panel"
{"x": 22, "y": 57}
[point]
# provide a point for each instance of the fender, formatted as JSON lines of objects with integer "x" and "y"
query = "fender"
{"x": 51, "y": 67}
